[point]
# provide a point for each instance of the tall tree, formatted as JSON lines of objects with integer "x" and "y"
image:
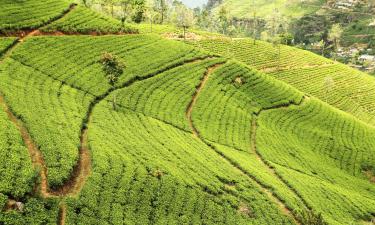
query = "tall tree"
{"x": 183, "y": 17}
{"x": 334, "y": 35}
{"x": 113, "y": 68}
{"x": 126, "y": 10}
{"x": 255, "y": 23}
{"x": 161, "y": 6}
{"x": 150, "y": 13}
{"x": 223, "y": 19}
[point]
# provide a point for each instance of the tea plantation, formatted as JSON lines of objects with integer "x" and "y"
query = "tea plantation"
{"x": 211, "y": 132}
{"x": 339, "y": 85}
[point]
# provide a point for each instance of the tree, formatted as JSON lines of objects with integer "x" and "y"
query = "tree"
{"x": 126, "y": 10}
{"x": 150, "y": 13}
{"x": 110, "y": 4}
{"x": 276, "y": 23}
{"x": 85, "y": 2}
{"x": 183, "y": 17}
{"x": 334, "y": 35}
{"x": 321, "y": 44}
{"x": 255, "y": 23}
{"x": 161, "y": 6}
{"x": 276, "y": 41}
{"x": 113, "y": 68}
{"x": 329, "y": 84}
{"x": 223, "y": 19}
{"x": 138, "y": 7}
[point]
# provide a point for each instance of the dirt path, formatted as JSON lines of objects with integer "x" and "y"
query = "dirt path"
{"x": 270, "y": 170}
{"x": 62, "y": 214}
{"x": 80, "y": 172}
{"x": 283, "y": 208}
{"x": 35, "y": 154}
{"x": 189, "y": 111}
{"x": 281, "y": 69}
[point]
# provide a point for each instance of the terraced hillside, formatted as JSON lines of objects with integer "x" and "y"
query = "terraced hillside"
{"x": 345, "y": 88}
{"x": 195, "y": 138}
{"x": 291, "y": 8}
{"x": 26, "y": 15}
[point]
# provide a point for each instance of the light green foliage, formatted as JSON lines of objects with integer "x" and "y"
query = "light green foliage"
{"x": 5, "y": 43}
{"x": 349, "y": 91}
{"x": 321, "y": 156}
{"x": 52, "y": 112}
{"x": 149, "y": 168}
{"x": 28, "y": 14}
{"x": 80, "y": 66}
{"x": 167, "y": 95}
{"x": 292, "y": 8}
{"x": 318, "y": 151}
{"x": 154, "y": 173}
{"x": 240, "y": 92}
{"x": 262, "y": 55}
{"x": 35, "y": 211}
{"x": 38, "y": 91}
{"x": 86, "y": 21}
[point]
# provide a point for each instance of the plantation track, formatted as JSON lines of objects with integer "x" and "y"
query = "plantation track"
{"x": 284, "y": 209}
{"x": 280, "y": 69}
{"x": 271, "y": 170}
{"x": 196, "y": 94}
{"x": 62, "y": 214}
{"x": 35, "y": 155}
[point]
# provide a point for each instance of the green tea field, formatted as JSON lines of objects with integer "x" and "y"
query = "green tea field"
{"x": 207, "y": 132}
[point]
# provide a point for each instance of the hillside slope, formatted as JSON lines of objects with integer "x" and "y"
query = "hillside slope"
{"x": 291, "y": 8}
{"x": 340, "y": 86}
{"x": 196, "y": 138}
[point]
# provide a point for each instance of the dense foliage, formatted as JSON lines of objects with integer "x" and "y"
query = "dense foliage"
{"x": 310, "y": 157}
{"x": 23, "y": 14}
{"x": 6, "y": 43}
{"x": 339, "y": 85}
{"x": 55, "y": 86}
{"x": 195, "y": 138}
{"x": 83, "y": 20}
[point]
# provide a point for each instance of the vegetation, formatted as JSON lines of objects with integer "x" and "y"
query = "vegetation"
{"x": 17, "y": 175}
{"x": 113, "y": 69}
{"x": 6, "y": 43}
{"x": 200, "y": 133}
{"x": 294, "y": 8}
{"x": 83, "y": 20}
{"x": 30, "y": 14}
{"x": 339, "y": 85}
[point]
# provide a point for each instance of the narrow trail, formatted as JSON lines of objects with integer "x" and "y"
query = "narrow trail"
{"x": 189, "y": 111}
{"x": 286, "y": 68}
{"x": 283, "y": 208}
{"x": 35, "y": 155}
{"x": 271, "y": 170}
{"x": 62, "y": 214}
